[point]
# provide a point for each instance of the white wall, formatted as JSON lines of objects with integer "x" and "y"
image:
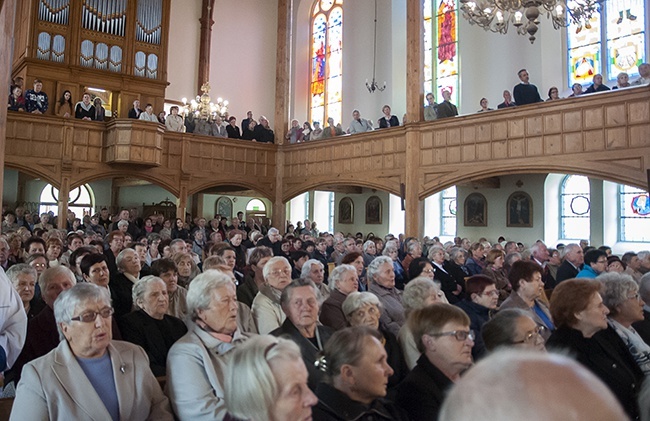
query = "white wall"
{"x": 359, "y": 222}
{"x": 238, "y": 205}
{"x": 183, "y": 50}
{"x": 10, "y": 188}
{"x": 135, "y": 196}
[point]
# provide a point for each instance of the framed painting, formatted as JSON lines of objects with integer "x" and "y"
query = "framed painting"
{"x": 223, "y": 207}
{"x": 373, "y": 210}
{"x": 476, "y": 210}
{"x": 520, "y": 210}
{"x": 346, "y": 211}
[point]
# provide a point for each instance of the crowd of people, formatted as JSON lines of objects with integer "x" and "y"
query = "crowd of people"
{"x": 241, "y": 322}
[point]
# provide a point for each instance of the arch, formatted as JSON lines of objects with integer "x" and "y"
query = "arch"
{"x": 82, "y": 199}
{"x": 291, "y": 193}
{"x": 260, "y": 190}
{"x": 119, "y": 173}
{"x": 34, "y": 171}
{"x": 250, "y": 206}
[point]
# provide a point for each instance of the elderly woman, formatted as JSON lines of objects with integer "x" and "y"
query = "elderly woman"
{"x": 494, "y": 269}
{"x": 455, "y": 266}
{"x": 445, "y": 340}
{"x": 53, "y": 250}
{"x": 364, "y": 309}
{"x": 357, "y": 372}
{"x": 23, "y": 278}
{"x": 149, "y": 326}
{"x": 418, "y": 293}
{"x": 248, "y": 289}
{"x": 267, "y": 309}
{"x": 581, "y": 318}
{"x": 512, "y": 327}
{"x": 186, "y": 268}
{"x": 356, "y": 259}
{"x": 197, "y": 363}
{"x": 381, "y": 278}
{"x": 421, "y": 266}
{"x": 369, "y": 252}
{"x": 121, "y": 284}
{"x": 267, "y": 380}
{"x": 343, "y": 280}
{"x": 165, "y": 269}
{"x": 480, "y": 304}
{"x": 620, "y": 294}
{"x": 314, "y": 270}
{"x": 301, "y": 303}
{"x": 527, "y": 287}
{"x": 390, "y": 250}
{"x": 475, "y": 263}
{"x": 449, "y": 284}
{"x": 88, "y": 375}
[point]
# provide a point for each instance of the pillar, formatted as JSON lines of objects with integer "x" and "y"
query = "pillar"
{"x": 205, "y": 43}
{"x": 283, "y": 70}
{"x": 62, "y": 201}
{"x": 414, "y": 208}
{"x": 7, "y": 13}
{"x": 414, "y": 61}
{"x": 181, "y": 203}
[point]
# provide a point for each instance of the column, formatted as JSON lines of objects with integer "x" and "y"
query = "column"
{"x": 414, "y": 208}
{"x": 62, "y": 201}
{"x": 205, "y": 42}
{"x": 181, "y": 203}
{"x": 283, "y": 70}
{"x": 7, "y": 13}
{"x": 279, "y": 215}
{"x": 414, "y": 61}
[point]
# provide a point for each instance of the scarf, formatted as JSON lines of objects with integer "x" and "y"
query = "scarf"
{"x": 637, "y": 347}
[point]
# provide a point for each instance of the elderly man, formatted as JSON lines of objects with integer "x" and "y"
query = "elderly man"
{"x": 507, "y": 100}
{"x": 633, "y": 265}
{"x": 529, "y": 385}
{"x": 42, "y": 335}
{"x": 13, "y": 323}
{"x": 525, "y": 92}
{"x": 315, "y": 272}
{"x": 446, "y": 108}
{"x": 267, "y": 311}
{"x": 539, "y": 254}
{"x": 358, "y": 125}
{"x": 272, "y": 240}
{"x": 644, "y": 75}
{"x": 644, "y": 257}
{"x": 573, "y": 257}
{"x": 121, "y": 284}
{"x": 643, "y": 327}
{"x": 431, "y": 109}
{"x": 597, "y": 85}
{"x": 301, "y": 303}
{"x": 263, "y": 132}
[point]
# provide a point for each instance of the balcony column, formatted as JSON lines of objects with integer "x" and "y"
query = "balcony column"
{"x": 62, "y": 202}
{"x": 414, "y": 208}
{"x": 414, "y": 61}
{"x": 205, "y": 43}
{"x": 279, "y": 216}
{"x": 181, "y": 203}
{"x": 283, "y": 70}
{"x": 7, "y": 13}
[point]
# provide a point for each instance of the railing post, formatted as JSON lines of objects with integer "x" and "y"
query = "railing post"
{"x": 414, "y": 210}
{"x": 414, "y": 61}
{"x": 283, "y": 70}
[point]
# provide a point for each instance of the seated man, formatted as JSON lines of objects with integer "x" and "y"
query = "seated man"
{"x": 358, "y": 125}
{"x": 36, "y": 101}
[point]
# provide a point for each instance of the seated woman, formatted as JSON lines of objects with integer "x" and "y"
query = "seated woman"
{"x": 620, "y": 294}
{"x": 363, "y": 309}
{"x": 197, "y": 363}
{"x": 314, "y": 270}
{"x": 149, "y": 326}
{"x": 512, "y": 327}
{"x": 494, "y": 269}
{"x": 356, "y": 259}
{"x": 381, "y": 280}
{"x": 301, "y": 303}
{"x": 475, "y": 263}
{"x": 581, "y": 317}
{"x": 527, "y": 287}
{"x": 449, "y": 284}
{"x": 88, "y": 375}
{"x": 401, "y": 277}
{"x": 165, "y": 269}
{"x": 267, "y": 380}
{"x": 356, "y": 369}
{"x": 443, "y": 337}
{"x": 343, "y": 281}
{"x": 186, "y": 268}
{"x": 23, "y": 278}
{"x": 267, "y": 310}
{"x": 479, "y": 305}
{"x": 418, "y": 293}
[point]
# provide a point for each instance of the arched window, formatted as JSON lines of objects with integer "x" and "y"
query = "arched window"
{"x": 575, "y": 208}
{"x": 634, "y": 214}
{"x": 448, "y": 212}
{"x": 326, "y": 80}
{"x": 256, "y": 205}
{"x": 613, "y": 42}
{"x": 441, "y": 48}
{"x": 80, "y": 200}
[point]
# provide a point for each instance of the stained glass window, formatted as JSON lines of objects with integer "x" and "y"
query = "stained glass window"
{"x": 326, "y": 77}
{"x": 441, "y": 61}
{"x": 448, "y": 212}
{"x": 612, "y": 42}
{"x": 575, "y": 208}
{"x": 634, "y": 214}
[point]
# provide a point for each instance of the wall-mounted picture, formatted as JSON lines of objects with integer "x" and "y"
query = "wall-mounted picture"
{"x": 373, "y": 210}
{"x": 520, "y": 210}
{"x": 475, "y": 210}
{"x": 346, "y": 211}
{"x": 223, "y": 207}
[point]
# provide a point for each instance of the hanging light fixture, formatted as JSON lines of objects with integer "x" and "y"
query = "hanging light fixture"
{"x": 203, "y": 106}
{"x": 374, "y": 86}
{"x": 497, "y": 15}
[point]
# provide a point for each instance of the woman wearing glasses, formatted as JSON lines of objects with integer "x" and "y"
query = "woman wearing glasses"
{"x": 512, "y": 327}
{"x": 581, "y": 317}
{"x": 443, "y": 336}
{"x": 480, "y": 304}
{"x": 89, "y": 376}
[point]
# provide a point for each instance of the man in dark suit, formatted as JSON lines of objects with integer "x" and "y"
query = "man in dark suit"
{"x": 446, "y": 108}
{"x": 643, "y": 326}
{"x": 135, "y": 111}
{"x": 573, "y": 259}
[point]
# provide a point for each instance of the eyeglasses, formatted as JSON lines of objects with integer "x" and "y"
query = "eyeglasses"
{"x": 533, "y": 336}
{"x": 91, "y": 316}
{"x": 427, "y": 271}
{"x": 602, "y": 261}
{"x": 460, "y": 335}
{"x": 286, "y": 272}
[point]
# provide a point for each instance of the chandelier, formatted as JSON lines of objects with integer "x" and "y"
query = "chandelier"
{"x": 203, "y": 107}
{"x": 374, "y": 86}
{"x": 496, "y": 15}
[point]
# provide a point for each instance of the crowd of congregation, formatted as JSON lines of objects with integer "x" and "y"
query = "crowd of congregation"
{"x": 241, "y": 322}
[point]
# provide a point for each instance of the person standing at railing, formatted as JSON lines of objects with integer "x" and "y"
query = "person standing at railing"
{"x": 36, "y": 100}
{"x": 525, "y": 92}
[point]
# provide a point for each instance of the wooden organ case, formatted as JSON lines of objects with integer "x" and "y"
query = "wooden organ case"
{"x": 116, "y": 47}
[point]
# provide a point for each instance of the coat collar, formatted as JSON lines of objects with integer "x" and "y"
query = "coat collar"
{"x": 333, "y": 400}
{"x": 75, "y": 383}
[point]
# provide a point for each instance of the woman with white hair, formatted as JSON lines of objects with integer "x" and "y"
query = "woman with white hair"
{"x": 369, "y": 252}
{"x": 88, "y": 375}
{"x": 314, "y": 270}
{"x": 390, "y": 250}
{"x": 364, "y": 309}
{"x": 197, "y": 363}
{"x": 418, "y": 293}
{"x": 23, "y": 278}
{"x": 150, "y": 326}
{"x": 620, "y": 294}
{"x": 381, "y": 279}
{"x": 344, "y": 280}
{"x": 121, "y": 284}
{"x": 267, "y": 381}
